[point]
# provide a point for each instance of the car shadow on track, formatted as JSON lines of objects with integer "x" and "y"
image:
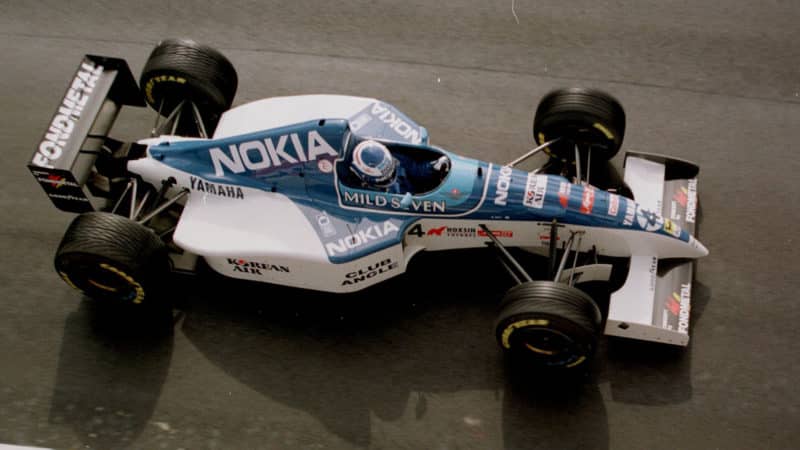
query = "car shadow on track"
{"x": 645, "y": 373}
{"x": 349, "y": 359}
{"x": 382, "y": 352}
{"x": 111, "y": 369}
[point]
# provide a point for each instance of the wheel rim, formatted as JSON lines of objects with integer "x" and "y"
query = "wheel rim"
{"x": 595, "y": 137}
{"x": 103, "y": 280}
{"x": 549, "y": 346}
{"x": 545, "y": 341}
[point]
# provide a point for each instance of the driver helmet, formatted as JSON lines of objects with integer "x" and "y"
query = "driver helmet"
{"x": 373, "y": 164}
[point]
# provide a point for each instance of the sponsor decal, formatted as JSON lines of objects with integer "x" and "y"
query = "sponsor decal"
{"x": 370, "y": 271}
{"x": 648, "y": 220}
{"x": 269, "y": 153}
{"x": 587, "y": 201}
{"x": 680, "y": 197}
{"x": 497, "y": 233}
{"x": 503, "y": 184}
{"x": 653, "y": 270}
{"x": 630, "y": 212}
{"x": 672, "y": 228}
{"x": 546, "y": 237}
{"x": 394, "y": 202}
{"x": 220, "y": 190}
{"x": 691, "y": 201}
{"x": 535, "y": 190}
{"x": 68, "y": 197}
{"x": 55, "y": 181}
{"x": 436, "y": 231}
{"x": 613, "y": 205}
{"x": 673, "y": 211}
{"x": 357, "y": 123}
{"x": 255, "y": 267}
{"x": 362, "y": 237}
{"x": 683, "y": 314}
{"x": 396, "y": 123}
{"x": 69, "y": 112}
{"x": 564, "y": 189}
{"x": 444, "y": 231}
{"x": 674, "y": 304}
{"x": 325, "y": 166}
{"x": 325, "y": 225}
{"x": 672, "y": 308}
{"x": 456, "y": 232}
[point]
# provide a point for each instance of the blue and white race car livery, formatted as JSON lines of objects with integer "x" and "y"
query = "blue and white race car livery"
{"x": 270, "y": 196}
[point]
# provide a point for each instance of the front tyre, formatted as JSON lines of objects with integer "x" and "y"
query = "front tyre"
{"x": 112, "y": 259}
{"x": 550, "y": 324}
{"x": 588, "y": 118}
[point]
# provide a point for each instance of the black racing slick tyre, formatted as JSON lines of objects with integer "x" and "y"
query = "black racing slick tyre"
{"x": 181, "y": 69}
{"x": 588, "y": 118}
{"x": 550, "y": 324}
{"x": 112, "y": 259}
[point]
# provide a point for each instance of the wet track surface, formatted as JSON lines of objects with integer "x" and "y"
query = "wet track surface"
{"x": 413, "y": 364}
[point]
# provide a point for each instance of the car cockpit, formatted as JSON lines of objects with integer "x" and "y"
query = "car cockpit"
{"x": 391, "y": 167}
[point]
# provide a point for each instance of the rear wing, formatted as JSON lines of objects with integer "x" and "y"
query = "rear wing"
{"x": 655, "y": 301}
{"x": 66, "y": 154}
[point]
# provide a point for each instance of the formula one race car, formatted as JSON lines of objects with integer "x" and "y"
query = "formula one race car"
{"x": 269, "y": 191}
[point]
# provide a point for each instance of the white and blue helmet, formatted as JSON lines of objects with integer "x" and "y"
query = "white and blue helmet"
{"x": 373, "y": 164}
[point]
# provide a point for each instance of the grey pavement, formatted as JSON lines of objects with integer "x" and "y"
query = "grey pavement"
{"x": 413, "y": 364}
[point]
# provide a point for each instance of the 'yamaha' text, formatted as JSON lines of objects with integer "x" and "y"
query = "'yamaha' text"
{"x": 220, "y": 190}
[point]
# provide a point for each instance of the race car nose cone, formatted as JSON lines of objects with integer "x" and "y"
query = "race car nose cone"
{"x": 698, "y": 247}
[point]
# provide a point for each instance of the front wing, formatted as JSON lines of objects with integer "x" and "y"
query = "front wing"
{"x": 655, "y": 301}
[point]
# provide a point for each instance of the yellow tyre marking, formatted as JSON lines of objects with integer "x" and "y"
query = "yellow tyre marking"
{"x": 576, "y": 362}
{"x": 542, "y": 141}
{"x": 102, "y": 286}
{"x": 66, "y": 279}
{"x": 138, "y": 287}
{"x": 148, "y": 88}
{"x": 539, "y": 350}
{"x": 605, "y": 130}
{"x": 519, "y": 324}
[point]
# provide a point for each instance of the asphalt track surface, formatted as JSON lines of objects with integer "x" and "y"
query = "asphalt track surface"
{"x": 413, "y": 364}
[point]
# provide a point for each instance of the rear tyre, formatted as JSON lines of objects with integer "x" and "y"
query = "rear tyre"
{"x": 549, "y": 324}
{"x": 113, "y": 259}
{"x": 182, "y": 69}
{"x": 586, "y": 117}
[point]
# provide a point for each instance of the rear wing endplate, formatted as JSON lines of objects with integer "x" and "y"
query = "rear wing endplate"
{"x": 655, "y": 301}
{"x": 66, "y": 154}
